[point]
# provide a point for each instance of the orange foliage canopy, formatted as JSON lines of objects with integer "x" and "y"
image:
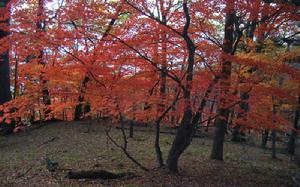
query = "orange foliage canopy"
{"x": 118, "y": 47}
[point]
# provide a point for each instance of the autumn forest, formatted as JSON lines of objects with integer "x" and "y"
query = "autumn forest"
{"x": 149, "y": 92}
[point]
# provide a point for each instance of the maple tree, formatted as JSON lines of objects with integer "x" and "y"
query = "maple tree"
{"x": 165, "y": 62}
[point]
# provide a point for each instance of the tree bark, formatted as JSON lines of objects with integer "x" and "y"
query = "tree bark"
{"x": 237, "y": 136}
{"x": 186, "y": 130}
{"x": 162, "y": 91}
{"x": 16, "y": 86}
{"x": 223, "y": 112}
{"x": 5, "y": 94}
{"x": 131, "y": 129}
{"x": 293, "y": 136}
{"x": 79, "y": 109}
{"x": 273, "y": 134}
{"x": 85, "y": 108}
{"x": 181, "y": 142}
{"x": 41, "y": 27}
{"x": 159, "y": 156}
{"x": 209, "y": 118}
{"x": 264, "y": 139}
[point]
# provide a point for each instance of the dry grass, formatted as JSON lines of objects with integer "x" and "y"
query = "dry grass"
{"x": 84, "y": 145}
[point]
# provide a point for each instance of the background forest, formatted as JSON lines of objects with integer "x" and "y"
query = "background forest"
{"x": 226, "y": 70}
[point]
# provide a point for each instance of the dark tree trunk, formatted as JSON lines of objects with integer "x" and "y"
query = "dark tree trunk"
{"x": 223, "y": 112}
{"x": 174, "y": 118}
{"x": 41, "y": 27}
{"x": 16, "y": 86}
{"x": 159, "y": 156}
{"x": 220, "y": 130}
{"x": 264, "y": 138}
{"x": 273, "y": 134}
{"x": 237, "y": 136}
{"x": 131, "y": 129}
{"x": 181, "y": 142}
{"x": 293, "y": 136}
{"x": 230, "y": 120}
{"x": 185, "y": 132}
{"x": 81, "y": 107}
{"x": 5, "y": 94}
{"x": 78, "y": 109}
{"x": 162, "y": 93}
{"x": 210, "y": 117}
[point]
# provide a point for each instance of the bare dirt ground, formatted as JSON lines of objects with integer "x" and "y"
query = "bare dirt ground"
{"x": 85, "y": 146}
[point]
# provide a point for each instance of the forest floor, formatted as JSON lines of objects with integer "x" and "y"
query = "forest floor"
{"x": 85, "y": 146}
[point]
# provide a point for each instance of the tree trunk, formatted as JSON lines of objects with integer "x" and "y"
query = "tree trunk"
{"x": 162, "y": 91}
{"x": 80, "y": 107}
{"x": 131, "y": 129}
{"x": 16, "y": 86}
{"x": 175, "y": 113}
{"x": 210, "y": 111}
{"x": 5, "y": 94}
{"x": 181, "y": 142}
{"x": 273, "y": 134}
{"x": 237, "y": 136}
{"x": 41, "y": 27}
{"x": 223, "y": 112}
{"x": 186, "y": 130}
{"x": 264, "y": 138}
{"x": 230, "y": 120}
{"x": 85, "y": 108}
{"x": 220, "y": 130}
{"x": 293, "y": 136}
{"x": 159, "y": 156}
